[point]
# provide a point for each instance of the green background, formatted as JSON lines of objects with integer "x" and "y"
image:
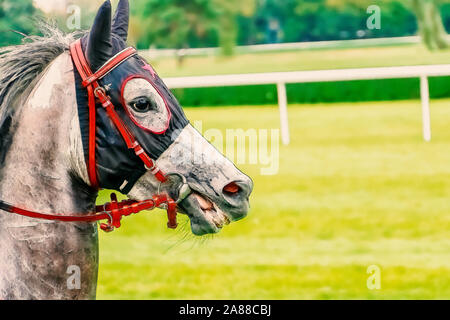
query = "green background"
{"x": 357, "y": 186}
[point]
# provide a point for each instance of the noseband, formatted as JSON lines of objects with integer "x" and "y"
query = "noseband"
{"x": 114, "y": 210}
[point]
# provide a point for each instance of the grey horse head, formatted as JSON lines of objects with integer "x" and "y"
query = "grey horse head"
{"x": 220, "y": 191}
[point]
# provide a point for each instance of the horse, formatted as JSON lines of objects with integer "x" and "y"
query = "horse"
{"x": 48, "y": 140}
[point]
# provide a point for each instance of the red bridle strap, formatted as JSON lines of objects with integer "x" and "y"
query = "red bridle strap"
{"x": 85, "y": 72}
{"x": 112, "y": 211}
{"x": 129, "y": 139}
{"x": 90, "y": 81}
{"x": 109, "y": 65}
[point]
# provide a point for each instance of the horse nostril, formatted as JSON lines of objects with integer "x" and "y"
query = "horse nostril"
{"x": 237, "y": 190}
{"x": 231, "y": 189}
{"x": 236, "y": 193}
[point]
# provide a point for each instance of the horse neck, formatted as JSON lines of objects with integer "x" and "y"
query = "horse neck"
{"x": 43, "y": 171}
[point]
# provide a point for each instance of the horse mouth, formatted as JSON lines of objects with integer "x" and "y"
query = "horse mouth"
{"x": 205, "y": 216}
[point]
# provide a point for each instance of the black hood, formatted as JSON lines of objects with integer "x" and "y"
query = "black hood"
{"x": 114, "y": 161}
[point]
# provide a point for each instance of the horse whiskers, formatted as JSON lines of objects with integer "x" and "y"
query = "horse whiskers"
{"x": 182, "y": 231}
{"x": 186, "y": 236}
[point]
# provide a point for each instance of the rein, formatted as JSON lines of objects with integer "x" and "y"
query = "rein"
{"x": 112, "y": 211}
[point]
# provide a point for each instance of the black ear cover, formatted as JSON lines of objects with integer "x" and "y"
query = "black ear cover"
{"x": 99, "y": 45}
{"x": 121, "y": 20}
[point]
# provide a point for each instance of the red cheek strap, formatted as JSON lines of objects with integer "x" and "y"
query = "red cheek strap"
{"x": 95, "y": 91}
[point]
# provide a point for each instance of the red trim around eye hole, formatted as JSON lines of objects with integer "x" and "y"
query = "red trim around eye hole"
{"x": 169, "y": 114}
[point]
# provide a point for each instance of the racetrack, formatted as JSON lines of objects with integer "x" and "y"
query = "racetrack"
{"x": 358, "y": 186}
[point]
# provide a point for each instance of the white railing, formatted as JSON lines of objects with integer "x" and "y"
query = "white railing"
{"x": 281, "y": 78}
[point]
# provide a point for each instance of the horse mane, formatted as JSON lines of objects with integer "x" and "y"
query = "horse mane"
{"x": 20, "y": 65}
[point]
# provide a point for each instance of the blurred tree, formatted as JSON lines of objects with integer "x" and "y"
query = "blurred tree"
{"x": 72, "y": 15}
{"x": 321, "y": 20}
{"x": 347, "y": 19}
{"x": 16, "y": 15}
{"x": 181, "y": 24}
{"x": 431, "y": 27}
{"x": 445, "y": 11}
{"x": 229, "y": 10}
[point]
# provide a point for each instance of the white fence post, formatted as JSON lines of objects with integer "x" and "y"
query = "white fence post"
{"x": 425, "y": 97}
{"x": 282, "y": 104}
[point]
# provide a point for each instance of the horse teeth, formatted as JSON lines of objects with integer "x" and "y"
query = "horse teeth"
{"x": 212, "y": 211}
{"x": 204, "y": 203}
{"x": 227, "y": 220}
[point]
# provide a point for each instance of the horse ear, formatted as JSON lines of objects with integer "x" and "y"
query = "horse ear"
{"x": 121, "y": 20}
{"x": 99, "y": 46}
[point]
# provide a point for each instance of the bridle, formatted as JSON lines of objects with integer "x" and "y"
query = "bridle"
{"x": 114, "y": 210}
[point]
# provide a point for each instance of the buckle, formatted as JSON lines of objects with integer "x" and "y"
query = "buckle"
{"x": 115, "y": 215}
{"x": 99, "y": 89}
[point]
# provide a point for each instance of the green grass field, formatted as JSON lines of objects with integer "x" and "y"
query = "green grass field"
{"x": 399, "y": 55}
{"x": 357, "y": 186}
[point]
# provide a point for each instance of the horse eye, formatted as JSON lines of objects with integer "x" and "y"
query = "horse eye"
{"x": 142, "y": 104}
